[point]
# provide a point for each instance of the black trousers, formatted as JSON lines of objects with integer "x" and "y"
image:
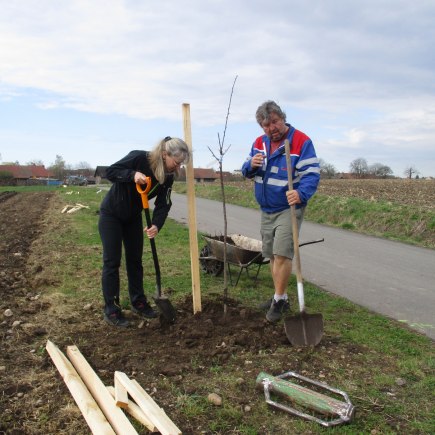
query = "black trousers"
{"x": 114, "y": 233}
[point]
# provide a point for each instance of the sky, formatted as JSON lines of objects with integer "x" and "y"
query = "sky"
{"x": 92, "y": 80}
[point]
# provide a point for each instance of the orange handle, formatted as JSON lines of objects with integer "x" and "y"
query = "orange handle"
{"x": 144, "y": 192}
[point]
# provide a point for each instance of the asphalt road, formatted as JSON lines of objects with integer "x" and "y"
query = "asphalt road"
{"x": 390, "y": 278}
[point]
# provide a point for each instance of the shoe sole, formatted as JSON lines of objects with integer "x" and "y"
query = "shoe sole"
{"x": 282, "y": 315}
{"x": 142, "y": 314}
{"x": 264, "y": 307}
{"x": 273, "y": 320}
{"x": 118, "y": 325}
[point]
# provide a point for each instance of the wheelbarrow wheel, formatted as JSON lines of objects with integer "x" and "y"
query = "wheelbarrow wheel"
{"x": 212, "y": 267}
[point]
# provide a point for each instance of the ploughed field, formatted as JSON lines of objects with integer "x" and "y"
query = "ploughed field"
{"x": 179, "y": 365}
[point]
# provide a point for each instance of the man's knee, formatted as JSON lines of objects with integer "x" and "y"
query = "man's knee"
{"x": 281, "y": 260}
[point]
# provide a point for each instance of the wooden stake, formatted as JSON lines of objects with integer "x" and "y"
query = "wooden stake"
{"x": 150, "y": 408}
{"x": 86, "y": 403}
{"x": 117, "y": 418}
{"x": 121, "y": 396}
{"x": 193, "y": 235}
{"x": 136, "y": 412}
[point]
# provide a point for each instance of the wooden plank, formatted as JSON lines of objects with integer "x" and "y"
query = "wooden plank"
{"x": 150, "y": 408}
{"x": 73, "y": 210}
{"x": 191, "y": 207}
{"x": 172, "y": 428}
{"x": 93, "y": 415}
{"x": 116, "y": 417}
{"x": 136, "y": 412}
{"x": 121, "y": 395}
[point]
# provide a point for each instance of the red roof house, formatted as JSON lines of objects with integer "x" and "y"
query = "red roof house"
{"x": 20, "y": 174}
{"x": 25, "y": 172}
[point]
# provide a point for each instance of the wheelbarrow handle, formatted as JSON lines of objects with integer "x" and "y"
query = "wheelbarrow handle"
{"x": 311, "y": 242}
{"x": 144, "y": 192}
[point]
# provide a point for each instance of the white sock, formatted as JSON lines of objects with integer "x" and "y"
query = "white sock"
{"x": 278, "y": 297}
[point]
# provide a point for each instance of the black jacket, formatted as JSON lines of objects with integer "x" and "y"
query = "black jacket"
{"x": 124, "y": 202}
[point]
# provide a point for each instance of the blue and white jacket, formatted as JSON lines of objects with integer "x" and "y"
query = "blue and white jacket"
{"x": 271, "y": 181}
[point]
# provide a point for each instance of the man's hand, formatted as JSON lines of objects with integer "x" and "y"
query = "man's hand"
{"x": 293, "y": 197}
{"x": 257, "y": 161}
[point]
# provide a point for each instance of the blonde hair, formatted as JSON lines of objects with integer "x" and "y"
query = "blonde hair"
{"x": 174, "y": 147}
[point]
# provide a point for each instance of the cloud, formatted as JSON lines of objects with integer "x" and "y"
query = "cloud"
{"x": 357, "y": 76}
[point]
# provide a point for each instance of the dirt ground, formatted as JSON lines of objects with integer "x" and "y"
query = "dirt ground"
{"x": 177, "y": 364}
{"x": 33, "y": 393}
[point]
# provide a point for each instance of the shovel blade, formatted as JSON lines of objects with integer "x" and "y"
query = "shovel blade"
{"x": 166, "y": 308}
{"x": 304, "y": 329}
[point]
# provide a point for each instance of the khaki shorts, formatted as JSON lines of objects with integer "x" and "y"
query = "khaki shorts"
{"x": 277, "y": 234}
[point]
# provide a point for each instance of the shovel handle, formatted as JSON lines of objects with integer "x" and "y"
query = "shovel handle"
{"x": 144, "y": 192}
{"x": 144, "y": 195}
{"x": 295, "y": 231}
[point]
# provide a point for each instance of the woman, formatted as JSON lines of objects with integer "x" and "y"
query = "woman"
{"x": 121, "y": 220}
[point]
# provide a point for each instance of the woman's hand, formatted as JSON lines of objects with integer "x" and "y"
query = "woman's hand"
{"x": 139, "y": 178}
{"x": 151, "y": 232}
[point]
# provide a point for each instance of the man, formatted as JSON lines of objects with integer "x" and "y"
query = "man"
{"x": 267, "y": 165}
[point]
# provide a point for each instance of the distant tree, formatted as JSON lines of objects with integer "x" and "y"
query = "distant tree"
{"x": 58, "y": 167}
{"x": 35, "y": 162}
{"x": 410, "y": 171}
{"x": 359, "y": 167}
{"x": 83, "y": 165}
{"x": 81, "y": 168}
{"x": 380, "y": 170}
{"x": 327, "y": 170}
{"x": 6, "y": 175}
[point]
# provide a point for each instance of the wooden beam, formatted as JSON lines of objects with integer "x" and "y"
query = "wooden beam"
{"x": 117, "y": 418}
{"x": 95, "y": 419}
{"x": 191, "y": 207}
{"x": 136, "y": 412}
{"x": 150, "y": 408}
{"x": 121, "y": 396}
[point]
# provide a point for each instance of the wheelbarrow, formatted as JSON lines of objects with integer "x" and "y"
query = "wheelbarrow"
{"x": 242, "y": 252}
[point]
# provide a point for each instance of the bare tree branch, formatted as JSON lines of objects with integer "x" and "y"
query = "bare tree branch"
{"x": 219, "y": 159}
{"x": 228, "y": 111}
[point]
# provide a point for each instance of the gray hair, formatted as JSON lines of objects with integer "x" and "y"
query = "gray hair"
{"x": 174, "y": 147}
{"x": 266, "y": 109}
